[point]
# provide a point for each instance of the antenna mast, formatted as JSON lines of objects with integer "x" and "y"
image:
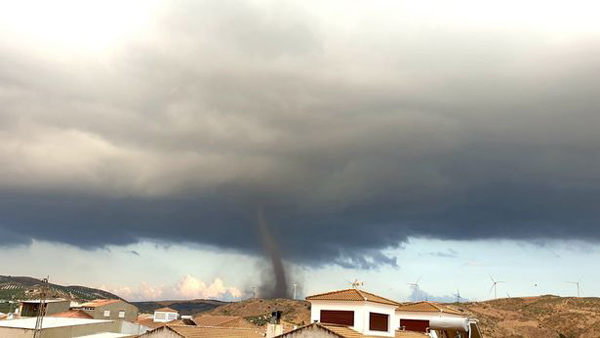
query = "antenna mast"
{"x": 37, "y": 333}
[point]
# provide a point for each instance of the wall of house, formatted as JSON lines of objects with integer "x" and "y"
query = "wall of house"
{"x": 388, "y": 310}
{"x": 361, "y": 314}
{"x": 62, "y": 332}
{"x": 30, "y": 309}
{"x": 131, "y": 312}
{"x": 163, "y": 317}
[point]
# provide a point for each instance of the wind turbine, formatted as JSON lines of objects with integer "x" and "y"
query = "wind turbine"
{"x": 495, "y": 286}
{"x": 356, "y": 283}
{"x": 458, "y": 297}
{"x": 416, "y": 287}
{"x": 295, "y": 288}
{"x": 578, "y": 287}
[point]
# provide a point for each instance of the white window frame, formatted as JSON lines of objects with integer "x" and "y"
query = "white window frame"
{"x": 121, "y": 313}
{"x": 106, "y": 313}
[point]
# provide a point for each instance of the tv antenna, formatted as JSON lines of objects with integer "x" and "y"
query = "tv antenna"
{"x": 37, "y": 333}
{"x": 495, "y": 286}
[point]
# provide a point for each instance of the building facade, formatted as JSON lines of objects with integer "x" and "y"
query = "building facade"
{"x": 30, "y": 308}
{"x": 110, "y": 309}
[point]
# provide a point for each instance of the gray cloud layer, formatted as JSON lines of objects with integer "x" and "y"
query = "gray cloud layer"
{"x": 351, "y": 138}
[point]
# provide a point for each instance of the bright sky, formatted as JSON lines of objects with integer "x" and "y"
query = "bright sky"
{"x": 445, "y": 266}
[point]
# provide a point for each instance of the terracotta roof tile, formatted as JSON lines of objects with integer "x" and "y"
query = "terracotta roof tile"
{"x": 347, "y": 332}
{"x": 212, "y": 331}
{"x": 72, "y": 314}
{"x": 427, "y": 307}
{"x": 352, "y": 295}
{"x": 166, "y": 309}
{"x": 149, "y": 321}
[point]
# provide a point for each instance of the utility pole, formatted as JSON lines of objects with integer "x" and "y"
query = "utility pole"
{"x": 37, "y": 333}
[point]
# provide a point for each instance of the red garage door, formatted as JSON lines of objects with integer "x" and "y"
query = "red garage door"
{"x": 337, "y": 317}
{"x": 414, "y": 325}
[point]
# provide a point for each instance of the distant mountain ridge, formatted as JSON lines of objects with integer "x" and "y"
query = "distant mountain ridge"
{"x": 22, "y": 287}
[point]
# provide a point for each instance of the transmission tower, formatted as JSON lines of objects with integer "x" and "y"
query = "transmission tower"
{"x": 41, "y": 310}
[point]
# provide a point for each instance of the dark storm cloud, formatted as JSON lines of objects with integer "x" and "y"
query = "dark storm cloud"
{"x": 351, "y": 139}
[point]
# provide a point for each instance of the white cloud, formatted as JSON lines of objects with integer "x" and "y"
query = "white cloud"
{"x": 188, "y": 287}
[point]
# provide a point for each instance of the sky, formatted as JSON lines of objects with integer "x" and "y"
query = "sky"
{"x": 165, "y": 149}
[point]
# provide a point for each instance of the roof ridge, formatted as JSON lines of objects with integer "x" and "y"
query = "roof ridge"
{"x": 212, "y": 327}
{"x": 329, "y": 293}
{"x": 372, "y": 294}
{"x": 360, "y": 293}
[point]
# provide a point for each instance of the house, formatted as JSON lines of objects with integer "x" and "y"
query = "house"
{"x": 165, "y": 315}
{"x": 359, "y": 310}
{"x": 357, "y": 313}
{"x": 30, "y": 308}
{"x": 319, "y": 330}
{"x": 182, "y": 331}
{"x": 110, "y": 309}
{"x": 56, "y": 327}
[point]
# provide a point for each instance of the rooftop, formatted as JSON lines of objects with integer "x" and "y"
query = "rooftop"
{"x": 208, "y": 320}
{"x": 100, "y": 302}
{"x": 72, "y": 314}
{"x": 212, "y": 331}
{"x": 37, "y": 301}
{"x": 107, "y": 335}
{"x": 166, "y": 309}
{"x": 352, "y": 295}
{"x": 428, "y": 307}
{"x": 49, "y": 322}
{"x": 346, "y": 332}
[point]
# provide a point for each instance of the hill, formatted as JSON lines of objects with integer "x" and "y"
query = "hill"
{"x": 20, "y": 287}
{"x": 530, "y": 317}
{"x": 538, "y": 317}
{"x": 258, "y": 311}
{"x": 185, "y": 307}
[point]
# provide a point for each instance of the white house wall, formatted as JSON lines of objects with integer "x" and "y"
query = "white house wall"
{"x": 389, "y": 310}
{"x": 318, "y": 305}
{"x": 361, "y": 314}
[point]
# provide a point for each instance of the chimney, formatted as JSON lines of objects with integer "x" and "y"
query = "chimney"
{"x": 274, "y": 327}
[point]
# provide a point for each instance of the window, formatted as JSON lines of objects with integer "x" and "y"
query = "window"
{"x": 159, "y": 315}
{"x": 378, "y": 321}
{"x": 106, "y": 313}
{"x": 414, "y": 325}
{"x": 122, "y": 314}
{"x": 345, "y": 318}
